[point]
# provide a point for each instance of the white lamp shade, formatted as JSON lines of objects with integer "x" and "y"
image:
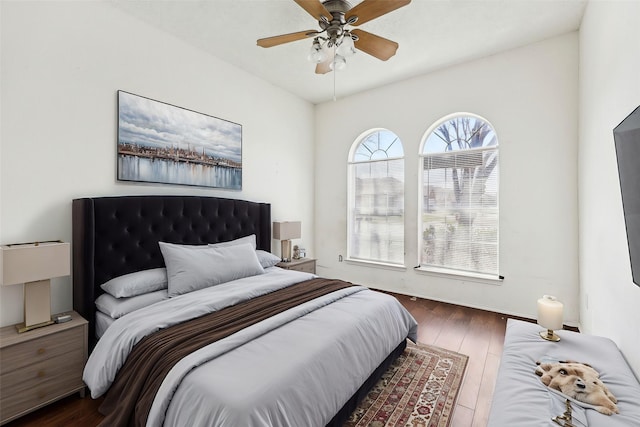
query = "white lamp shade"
{"x": 347, "y": 47}
{"x": 32, "y": 262}
{"x": 287, "y": 230}
{"x": 339, "y": 63}
{"x": 550, "y": 313}
{"x": 317, "y": 54}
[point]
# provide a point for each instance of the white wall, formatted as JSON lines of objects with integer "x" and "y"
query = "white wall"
{"x": 530, "y": 96}
{"x": 62, "y": 63}
{"x": 609, "y": 91}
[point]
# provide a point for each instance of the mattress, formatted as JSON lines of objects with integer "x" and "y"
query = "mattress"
{"x": 103, "y": 321}
{"x": 521, "y": 399}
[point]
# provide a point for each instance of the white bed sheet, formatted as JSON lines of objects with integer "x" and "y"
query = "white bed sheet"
{"x": 114, "y": 346}
{"x": 305, "y": 370}
{"x": 103, "y": 321}
{"x": 257, "y": 368}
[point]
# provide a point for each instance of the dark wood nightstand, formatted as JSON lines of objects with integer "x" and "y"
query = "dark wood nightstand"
{"x": 41, "y": 366}
{"x": 307, "y": 265}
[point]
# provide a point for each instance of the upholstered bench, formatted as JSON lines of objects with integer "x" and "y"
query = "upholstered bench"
{"x": 520, "y": 399}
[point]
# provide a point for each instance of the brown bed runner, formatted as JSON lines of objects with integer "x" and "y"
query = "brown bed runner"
{"x": 131, "y": 395}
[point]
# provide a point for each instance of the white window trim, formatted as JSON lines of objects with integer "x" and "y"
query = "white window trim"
{"x": 461, "y": 275}
{"x": 377, "y": 264}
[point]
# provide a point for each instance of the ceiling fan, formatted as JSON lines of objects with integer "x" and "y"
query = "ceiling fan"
{"x": 336, "y": 40}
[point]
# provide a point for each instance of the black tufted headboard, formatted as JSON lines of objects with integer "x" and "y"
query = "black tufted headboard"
{"x": 113, "y": 236}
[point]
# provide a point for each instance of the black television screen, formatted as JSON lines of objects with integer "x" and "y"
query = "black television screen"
{"x": 627, "y": 140}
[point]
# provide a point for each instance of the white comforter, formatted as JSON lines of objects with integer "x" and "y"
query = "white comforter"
{"x": 277, "y": 372}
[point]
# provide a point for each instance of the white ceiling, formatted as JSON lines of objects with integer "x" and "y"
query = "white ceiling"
{"x": 432, "y": 34}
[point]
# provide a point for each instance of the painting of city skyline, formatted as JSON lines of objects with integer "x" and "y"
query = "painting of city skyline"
{"x": 162, "y": 143}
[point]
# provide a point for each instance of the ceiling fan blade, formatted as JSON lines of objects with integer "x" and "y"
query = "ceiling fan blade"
{"x": 372, "y": 9}
{"x": 325, "y": 67}
{"x": 374, "y": 45}
{"x": 314, "y": 8}
{"x": 285, "y": 38}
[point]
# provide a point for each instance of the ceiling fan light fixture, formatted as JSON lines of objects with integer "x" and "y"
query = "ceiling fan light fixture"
{"x": 317, "y": 54}
{"x": 347, "y": 47}
{"x": 335, "y": 41}
{"x": 339, "y": 63}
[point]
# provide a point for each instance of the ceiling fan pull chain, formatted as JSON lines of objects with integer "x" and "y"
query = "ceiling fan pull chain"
{"x": 334, "y": 75}
{"x": 334, "y": 86}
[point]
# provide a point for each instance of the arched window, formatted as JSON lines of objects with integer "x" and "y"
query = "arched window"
{"x": 376, "y": 199}
{"x": 459, "y": 216}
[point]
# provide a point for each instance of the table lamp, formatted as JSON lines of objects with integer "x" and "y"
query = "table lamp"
{"x": 549, "y": 317}
{"x": 34, "y": 264}
{"x": 285, "y": 231}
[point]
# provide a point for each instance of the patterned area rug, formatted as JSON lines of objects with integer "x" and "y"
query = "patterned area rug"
{"x": 418, "y": 390}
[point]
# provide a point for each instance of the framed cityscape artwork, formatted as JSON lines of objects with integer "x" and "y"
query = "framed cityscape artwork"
{"x": 162, "y": 143}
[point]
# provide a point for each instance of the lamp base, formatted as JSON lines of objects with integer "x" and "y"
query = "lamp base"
{"x": 37, "y": 304}
{"x": 285, "y": 250}
{"x": 22, "y": 327}
{"x": 549, "y": 335}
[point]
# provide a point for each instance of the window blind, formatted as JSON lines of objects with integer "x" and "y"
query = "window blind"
{"x": 460, "y": 216}
{"x": 377, "y": 211}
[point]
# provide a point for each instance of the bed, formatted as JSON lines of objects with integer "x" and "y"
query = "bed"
{"x": 521, "y": 399}
{"x": 308, "y": 364}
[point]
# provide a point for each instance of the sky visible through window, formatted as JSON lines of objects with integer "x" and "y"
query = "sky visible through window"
{"x": 460, "y": 133}
{"x": 380, "y": 145}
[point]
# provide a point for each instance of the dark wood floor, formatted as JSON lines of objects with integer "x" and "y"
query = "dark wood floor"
{"x": 476, "y": 333}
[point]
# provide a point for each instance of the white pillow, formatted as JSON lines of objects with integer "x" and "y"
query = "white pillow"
{"x": 192, "y": 269}
{"x": 137, "y": 283}
{"x": 251, "y": 239}
{"x": 118, "y": 307}
{"x": 267, "y": 259}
